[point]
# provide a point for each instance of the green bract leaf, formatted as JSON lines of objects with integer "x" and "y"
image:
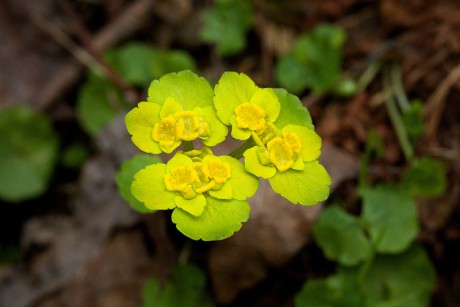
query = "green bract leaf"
{"x": 186, "y": 287}
{"x": 340, "y": 236}
{"x": 244, "y": 185}
{"x": 307, "y": 187}
{"x": 28, "y": 149}
{"x": 220, "y": 219}
{"x": 391, "y": 217}
{"x": 318, "y": 55}
{"x": 226, "y": 25}
{"x": 338, "y": 291}
{"x": 140, "y": 122}
{"x": 425, "y": 177}
{"x": 97, "y": 103}
{"x": 399, "y": 280}
{"x": 185, "y": 87}
{"x": 253, "y": 165}
{"x": 292, "y": 111}
{"x": 232, "y": 90}
{"x": 148, "y": 187}
{"x": 125, "y": 177}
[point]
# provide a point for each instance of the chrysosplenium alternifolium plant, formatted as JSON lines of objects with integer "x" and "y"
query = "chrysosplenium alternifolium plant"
{"x": 209, "y": 192}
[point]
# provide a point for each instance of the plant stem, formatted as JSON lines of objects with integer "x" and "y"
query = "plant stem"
{"x": 238, "y": 153}
{"x": 368, "y": 75}
{"x": 398, "y": 88}
{"x": 188, "y": 145}
{"x": 395, "y": 117}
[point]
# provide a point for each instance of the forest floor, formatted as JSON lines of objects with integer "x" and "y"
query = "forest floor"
{"x": 81, "y": 245}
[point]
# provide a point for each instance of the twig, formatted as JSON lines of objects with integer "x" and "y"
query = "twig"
{"x": 129, "y": 22}
{"x": 396, "y": 118}
{"x": 87, "y": 41}
{"x": 436, "y": 103}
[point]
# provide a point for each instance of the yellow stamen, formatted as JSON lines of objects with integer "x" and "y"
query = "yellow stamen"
{"x": 250, "y": 116}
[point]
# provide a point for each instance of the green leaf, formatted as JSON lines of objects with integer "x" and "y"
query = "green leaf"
{"x": 139, "y": 63}
{"x": 292, "y": 111}
{"x": 413, "y": 119}
{"x": 186, "y": 287}
{"x": 226, "y": 25}
{"x": 405, "y": 279}
{"x": 133, "y": 62}
{"x": 167, "y": 61}
{"x": 307, "y": 187}
{"x": 220, "y": 219}
{"x": 28, "y": 151}
{"x": 185, "y": 87}
{"x": 97, "y": 103}
{"x": 390, "y": 216}
{"x": 291, "y": 74}
{"x": 74, "y": 156}
{"x": 125, "y": 177}
{"x": 340, "y": 236}
{"x": 339, "y": 290}
{"x": 426, "y": 177}
{"x": 315, "y": 61}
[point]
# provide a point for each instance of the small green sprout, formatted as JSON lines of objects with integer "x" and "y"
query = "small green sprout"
{"x": 208, "y": 193}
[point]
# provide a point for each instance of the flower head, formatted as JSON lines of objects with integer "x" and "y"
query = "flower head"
{"x": 179, "y": 108}
{"x": 193, "y": 185}
{"x": 245, "y": 106}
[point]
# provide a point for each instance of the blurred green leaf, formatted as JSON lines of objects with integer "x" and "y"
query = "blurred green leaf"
{"x": 125, "y": 177}
{"x": 74, "y": 156}
{"x": 405, "y": 279}
{"x": 28, "y": 150}
{"x": 426, "y": 177}
{"x": 167, "y": 61}
{"x": 334, "y": 291}
{"x": 340, "y": 236}
{"x": 133, "y": 62}
{"x": 345, "y": 88}
{"x": 390, "y": 215}
{"x": 291, "y": 75}
{"x": 413, "y": 119}
{"x": 226, "y": 25}
{"x": 316, "y": 58}
{"x": 97, "y": 103}
{"x": 139, "y": 63}
{"x": 186, "y": 287}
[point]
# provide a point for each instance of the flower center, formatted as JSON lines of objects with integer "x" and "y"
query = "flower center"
{"x": 250, "y": 116}
{"x": 283, "y": 152}
{"x": 166, "y": 132}
{"x": 197, "y": 178}
{"x": 263, "y": 136}
{"x": 188, "y": 121}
